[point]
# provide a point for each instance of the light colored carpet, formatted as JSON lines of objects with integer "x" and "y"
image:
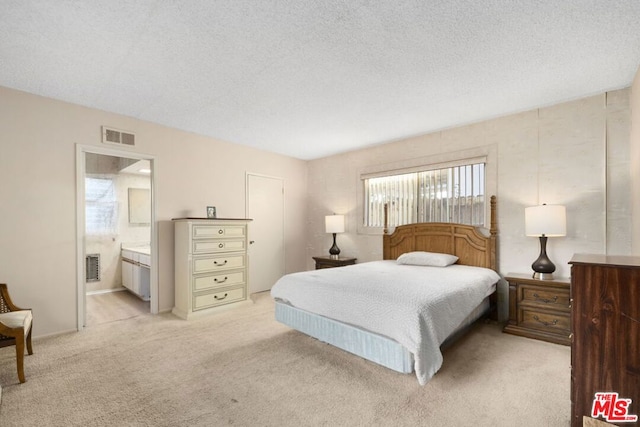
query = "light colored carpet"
{"x": 242, "y": 368}
{"x": 110, "y": 306}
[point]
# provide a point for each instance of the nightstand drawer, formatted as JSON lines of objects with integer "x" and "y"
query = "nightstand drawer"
{"x": 553, "y": 298}
{"x": 549, "y": 321}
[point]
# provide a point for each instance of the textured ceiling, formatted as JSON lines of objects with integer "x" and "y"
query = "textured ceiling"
{"x": 313, "y": 78}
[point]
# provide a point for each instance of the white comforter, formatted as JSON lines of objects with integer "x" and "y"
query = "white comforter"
{"x": 417, "y": 306}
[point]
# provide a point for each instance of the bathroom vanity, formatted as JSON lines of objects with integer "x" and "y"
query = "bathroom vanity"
{"x": 136, "y": 268}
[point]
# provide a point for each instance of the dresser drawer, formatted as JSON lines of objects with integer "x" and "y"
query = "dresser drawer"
{"x": 217, "y": 263}
{"x": 210, "y": 281}
{"x": 208, "y": 231}
{"x": 226, "y": 296}
{"x": 210, "y": 245}
{"x": 549, "y": 321}
{"x": 547, "y": 297}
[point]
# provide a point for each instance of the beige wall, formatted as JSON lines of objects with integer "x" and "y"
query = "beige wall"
{"x": 553, "y": 155}
{"x": 38, "y": 137}
{"x": 635, "y": 163}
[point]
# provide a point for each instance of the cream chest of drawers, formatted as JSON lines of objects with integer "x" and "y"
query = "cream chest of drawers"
{"x": 211, "y": 271}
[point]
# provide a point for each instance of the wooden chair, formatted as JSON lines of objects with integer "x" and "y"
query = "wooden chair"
{"x": 15, "y": 328}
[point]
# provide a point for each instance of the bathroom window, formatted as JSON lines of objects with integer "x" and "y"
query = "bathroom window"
{"x": 101, "y": 206}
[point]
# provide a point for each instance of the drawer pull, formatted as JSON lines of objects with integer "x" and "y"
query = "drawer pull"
{"x": 537, "y": 319}
{"x": 220, "y": 281}
{"x": 545, "y": 300}
{"x": 221, "y": 231}
{"x": 220, "y": 264}
{"x": 221, "y": 298}
{"x": 221, "y": 245}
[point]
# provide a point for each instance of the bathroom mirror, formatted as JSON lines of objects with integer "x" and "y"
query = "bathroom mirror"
{"x": 139, "y": 206}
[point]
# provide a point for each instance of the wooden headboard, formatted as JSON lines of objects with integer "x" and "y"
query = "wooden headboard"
{"x": 467, "y": 242}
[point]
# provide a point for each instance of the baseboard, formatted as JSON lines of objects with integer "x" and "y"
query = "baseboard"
{"x": 55, "y": 334}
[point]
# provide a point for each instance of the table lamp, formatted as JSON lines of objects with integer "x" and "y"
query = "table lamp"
{"x": 334, "y": 224}
{"x": 545, "y": 221}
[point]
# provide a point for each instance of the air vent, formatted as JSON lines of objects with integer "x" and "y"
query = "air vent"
{"x": 92, "y": 267}
{"x": 116, "y": 136}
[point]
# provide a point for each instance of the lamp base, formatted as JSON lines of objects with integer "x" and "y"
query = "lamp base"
{"x": 542, "y": 276}
{"x": 334, "y": 251}
{"x": 543, "y": 268}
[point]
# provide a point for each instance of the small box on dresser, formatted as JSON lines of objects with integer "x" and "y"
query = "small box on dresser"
{"x": 211, "y": 265}
{"x": 539, "y": 309}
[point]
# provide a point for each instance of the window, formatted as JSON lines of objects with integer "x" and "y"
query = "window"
{"x": 450, "y": 194}
{"x": 101, "y": 207}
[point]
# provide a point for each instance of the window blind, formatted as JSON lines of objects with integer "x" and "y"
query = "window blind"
{"x": 101, "y": 206}
{"x": 449, "y": 194}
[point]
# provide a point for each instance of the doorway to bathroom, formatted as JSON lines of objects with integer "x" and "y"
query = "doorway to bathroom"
{"x": 117, "y": 275}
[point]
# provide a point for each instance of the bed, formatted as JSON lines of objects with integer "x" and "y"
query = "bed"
{"x": 401, "y": 311}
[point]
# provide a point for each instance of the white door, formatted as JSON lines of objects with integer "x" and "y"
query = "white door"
{"x": 265, "y": 206}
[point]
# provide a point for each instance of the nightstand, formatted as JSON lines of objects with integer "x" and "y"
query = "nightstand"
{"x": 539, "y": 309}
{"x": 328, "y": 262}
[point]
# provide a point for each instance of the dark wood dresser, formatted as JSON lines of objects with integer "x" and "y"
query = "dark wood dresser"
{"x": 605, "y": 348}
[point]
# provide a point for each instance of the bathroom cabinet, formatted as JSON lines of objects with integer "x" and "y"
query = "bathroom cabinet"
{"x": 136, "y": 267}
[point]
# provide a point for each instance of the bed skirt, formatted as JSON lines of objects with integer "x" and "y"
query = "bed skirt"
{"x": 376, "y": 348}
{"x": 368, "y": 345}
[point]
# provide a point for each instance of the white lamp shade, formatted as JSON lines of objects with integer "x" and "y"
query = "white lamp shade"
{"x": 334, "y": 223}
{"x": 547, "y": 220}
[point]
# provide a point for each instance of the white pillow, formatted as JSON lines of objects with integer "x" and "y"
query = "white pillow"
{"x": 431, "y": 259}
